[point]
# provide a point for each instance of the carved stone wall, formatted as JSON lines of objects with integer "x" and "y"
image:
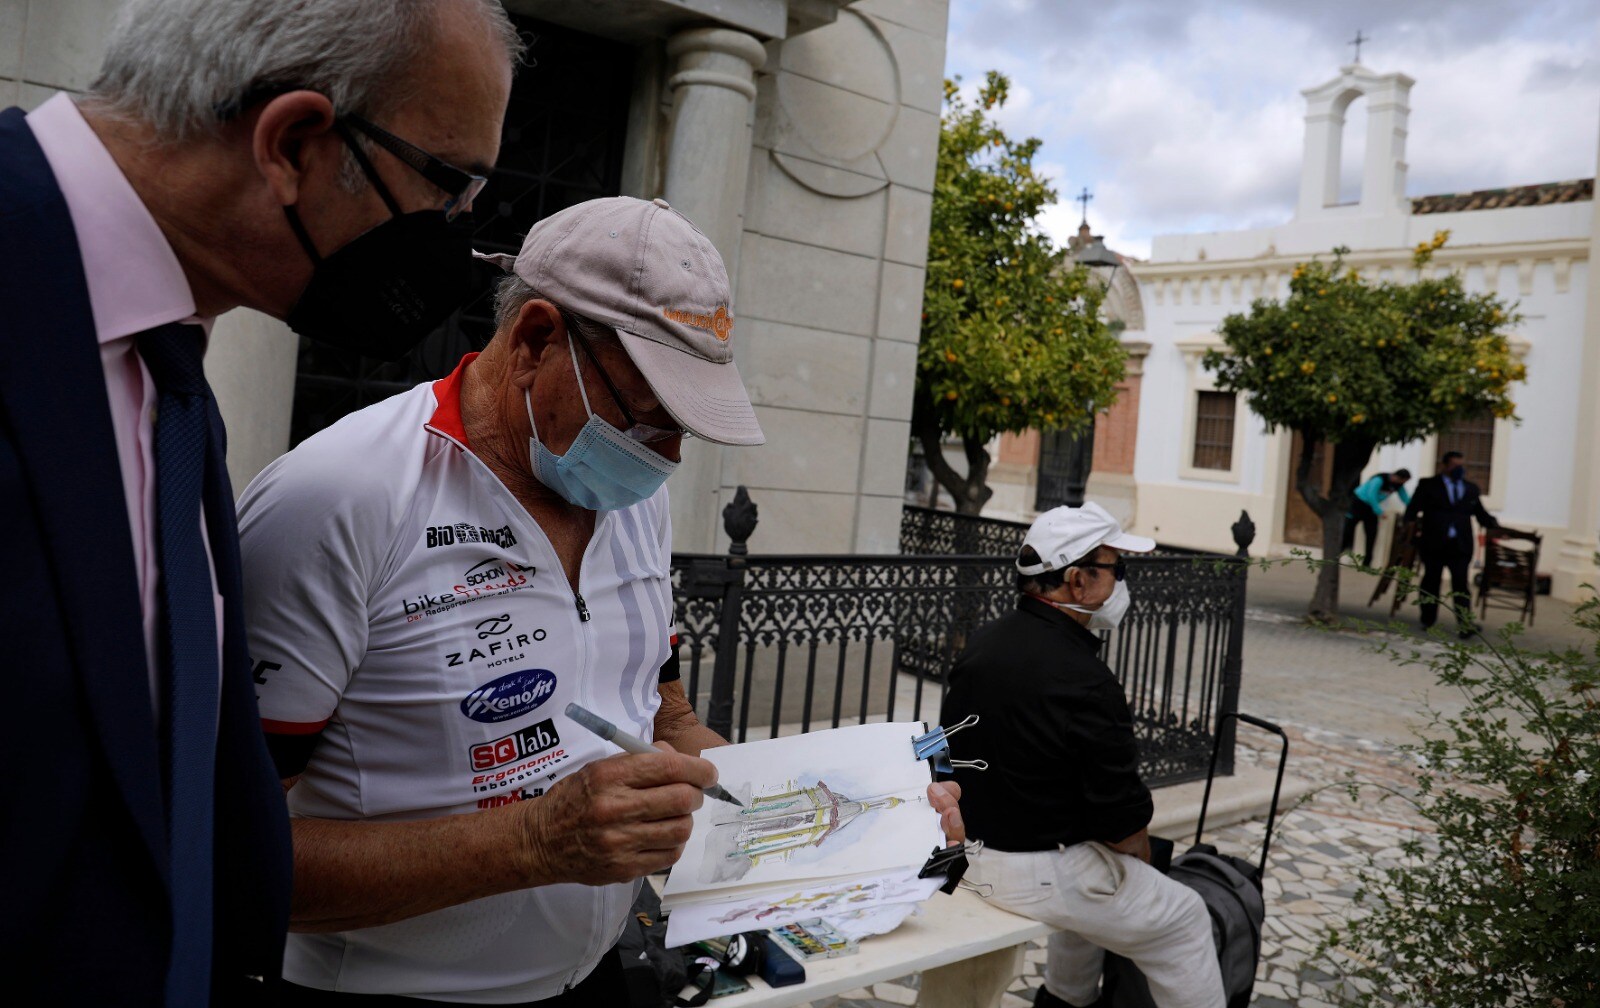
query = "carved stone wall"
{"x": 831, "y": 272}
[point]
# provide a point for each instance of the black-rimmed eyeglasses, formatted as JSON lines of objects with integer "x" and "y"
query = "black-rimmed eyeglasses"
{"x": 459, "y": 184}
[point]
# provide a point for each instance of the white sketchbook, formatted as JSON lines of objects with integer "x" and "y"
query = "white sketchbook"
{"x": 887, "y": 898}
{"x": 828, "y": 807}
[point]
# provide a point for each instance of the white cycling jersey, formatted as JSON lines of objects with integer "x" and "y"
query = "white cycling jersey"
{"x": 404, "y": 606}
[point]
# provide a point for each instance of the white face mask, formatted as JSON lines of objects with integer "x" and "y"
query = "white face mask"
{"x": 1107, "y": 614}
{"x": 1111, "y": 611}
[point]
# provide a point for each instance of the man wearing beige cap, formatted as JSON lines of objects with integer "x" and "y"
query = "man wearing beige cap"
{"x": 1061, "y": 810}
{"x": 432, "y": 580}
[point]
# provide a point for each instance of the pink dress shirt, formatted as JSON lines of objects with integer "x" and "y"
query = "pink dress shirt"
{"x": 135, "y": 283}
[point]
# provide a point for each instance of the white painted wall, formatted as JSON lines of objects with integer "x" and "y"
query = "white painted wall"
{"x": 1536, "y": 257}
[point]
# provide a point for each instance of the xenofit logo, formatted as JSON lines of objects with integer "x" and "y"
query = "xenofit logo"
{"x": 509, "y": 696}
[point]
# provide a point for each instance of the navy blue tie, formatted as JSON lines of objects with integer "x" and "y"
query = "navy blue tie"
{"x": 188, "y": 652}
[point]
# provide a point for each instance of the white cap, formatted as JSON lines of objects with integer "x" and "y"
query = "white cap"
{"x": 1064, "y": 535}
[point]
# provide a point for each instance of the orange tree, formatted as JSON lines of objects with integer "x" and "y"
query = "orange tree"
{"x": 1355, "y": 363}
{"x": 1011, "y": 334}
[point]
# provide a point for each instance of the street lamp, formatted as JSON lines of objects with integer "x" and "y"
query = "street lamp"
{"x": 1080, "y": 454}
{"x": 1096, "y": 254}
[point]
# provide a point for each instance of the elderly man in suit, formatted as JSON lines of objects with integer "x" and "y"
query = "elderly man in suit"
{"x": 303, "y": 160}
{"x": 1444, "y": 506}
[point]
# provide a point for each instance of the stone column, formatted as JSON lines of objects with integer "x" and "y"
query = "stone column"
{"x": 1319, "y": 164}
{"x": 250, "y": 362}
{"x": 707, "y": 164}
{"x": 1383, "y": 177}
{"x": 1575, "y": 565}
{"x": 708, "y": 150}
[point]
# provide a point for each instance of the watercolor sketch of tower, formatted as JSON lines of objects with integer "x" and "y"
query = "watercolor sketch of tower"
{"x": 777, "y": 823}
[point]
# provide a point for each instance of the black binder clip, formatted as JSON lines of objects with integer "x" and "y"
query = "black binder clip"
{"x": 934, "y": 746}
{"x": 950, "y": 862}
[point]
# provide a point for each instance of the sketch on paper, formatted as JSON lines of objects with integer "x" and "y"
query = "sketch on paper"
{"x": 820, "y": 902}
{"x": 780, "y": 821}
{"x": 820, "y": 810}
{"x": 871, "y": 902}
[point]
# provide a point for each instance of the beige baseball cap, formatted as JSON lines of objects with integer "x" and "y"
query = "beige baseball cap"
{"x": 646, "y": 271}
{"x": 1066, "y": 534}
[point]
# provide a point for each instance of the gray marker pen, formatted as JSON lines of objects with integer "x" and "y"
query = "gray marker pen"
{"x": 632, "y": 743}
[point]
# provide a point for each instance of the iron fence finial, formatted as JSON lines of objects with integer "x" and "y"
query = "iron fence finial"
{"x": 1244, "y": 533}
{"x": 739, "y": 520}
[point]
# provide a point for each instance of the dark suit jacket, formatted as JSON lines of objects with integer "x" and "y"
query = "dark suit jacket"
{"x": 1438, "y": 516}
{"x": 83, "y": 848}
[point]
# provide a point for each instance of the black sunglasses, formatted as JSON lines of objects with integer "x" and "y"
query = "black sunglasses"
{"x": 1119, "y": 570}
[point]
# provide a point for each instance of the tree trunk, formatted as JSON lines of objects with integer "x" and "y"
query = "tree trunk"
{"x": 1349, "y": 459}
{"x": 975, "y": 490}
{"x": 970, "y": 492}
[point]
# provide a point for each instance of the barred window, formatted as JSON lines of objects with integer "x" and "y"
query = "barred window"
{"x": 1474, "y": 438}
{"x": 1213, "y": 430}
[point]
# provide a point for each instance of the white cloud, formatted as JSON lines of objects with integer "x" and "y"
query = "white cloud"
{"x": 1187, "y": 118}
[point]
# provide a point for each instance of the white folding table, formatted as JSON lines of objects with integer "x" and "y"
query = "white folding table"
{"x": 967, "y": 950}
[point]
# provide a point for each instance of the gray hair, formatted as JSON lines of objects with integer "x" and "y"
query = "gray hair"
{"x": 181, "y": 66}
{"x": 512, "y": 292}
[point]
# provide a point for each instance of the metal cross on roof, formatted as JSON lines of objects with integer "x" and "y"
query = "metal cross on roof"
{"x": 1083, "y": 198}
{"x": 1357, "y": 43}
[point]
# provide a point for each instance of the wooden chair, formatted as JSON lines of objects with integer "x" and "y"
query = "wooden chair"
{"x": 1402, "y": 556}
{"x": 1510, "y": 571}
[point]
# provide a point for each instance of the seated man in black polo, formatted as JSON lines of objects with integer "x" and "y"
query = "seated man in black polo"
{"x": 1061, "y": 809}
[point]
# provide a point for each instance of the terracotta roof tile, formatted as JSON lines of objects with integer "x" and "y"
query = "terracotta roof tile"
{"x": 1572, "y": 191}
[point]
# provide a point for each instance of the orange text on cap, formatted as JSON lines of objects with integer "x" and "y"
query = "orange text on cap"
{"x": 718, "y": 324}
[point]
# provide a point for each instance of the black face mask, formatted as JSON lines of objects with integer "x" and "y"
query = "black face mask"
{"x": 386, "y": 289}
{"x": 1457, "y": 472}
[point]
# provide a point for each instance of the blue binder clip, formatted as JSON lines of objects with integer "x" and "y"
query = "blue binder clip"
{"x": 934, "y": 746}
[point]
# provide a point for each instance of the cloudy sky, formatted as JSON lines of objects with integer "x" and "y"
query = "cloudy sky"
{"x": 1185, "y": 115}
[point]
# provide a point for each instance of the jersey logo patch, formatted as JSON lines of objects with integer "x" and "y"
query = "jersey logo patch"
{"x": 484, "y": 579}
{"x": 465, "y": 532}
{"x": 529, "y": 741}
{"x": 512, "y": 695}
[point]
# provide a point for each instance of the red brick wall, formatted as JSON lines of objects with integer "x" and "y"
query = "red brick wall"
{"x": 1116, "y": 433}
{"x": 1022, "y": 449}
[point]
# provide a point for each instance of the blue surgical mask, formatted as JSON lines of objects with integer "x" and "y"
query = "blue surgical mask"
{"x": 603, "y": 469}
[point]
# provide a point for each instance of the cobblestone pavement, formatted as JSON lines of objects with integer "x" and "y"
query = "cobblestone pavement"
{"x": 1308, "y": 880}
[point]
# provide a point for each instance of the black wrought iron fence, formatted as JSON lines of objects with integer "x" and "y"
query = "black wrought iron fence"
{"x": 928, "y": 532}
{"x": 771, "y": 645}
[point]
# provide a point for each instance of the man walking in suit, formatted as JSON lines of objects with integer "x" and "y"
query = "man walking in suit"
{"x": 297, "y": 159}
{"x": 1446, "y": 504}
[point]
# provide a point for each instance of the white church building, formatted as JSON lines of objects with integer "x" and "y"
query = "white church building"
{"x": 1202, "y": 456}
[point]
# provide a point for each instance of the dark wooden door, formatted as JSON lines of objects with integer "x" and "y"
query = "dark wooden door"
{"x": 1301, "y": 525}
{"x": 1474, "y": 437}
{"x": 1064, "y": 462}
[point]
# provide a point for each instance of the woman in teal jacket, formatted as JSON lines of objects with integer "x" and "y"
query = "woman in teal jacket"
{"x": 1368, "y": 505}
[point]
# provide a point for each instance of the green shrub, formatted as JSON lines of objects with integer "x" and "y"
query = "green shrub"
{"x": 1497, "y": 900}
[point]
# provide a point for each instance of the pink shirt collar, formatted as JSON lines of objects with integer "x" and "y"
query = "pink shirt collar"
{"x": 135, "y": 281}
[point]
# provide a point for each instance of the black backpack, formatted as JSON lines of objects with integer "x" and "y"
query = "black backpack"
{"x": 1231, "y": 888}
{"x": 653, "y": 973}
